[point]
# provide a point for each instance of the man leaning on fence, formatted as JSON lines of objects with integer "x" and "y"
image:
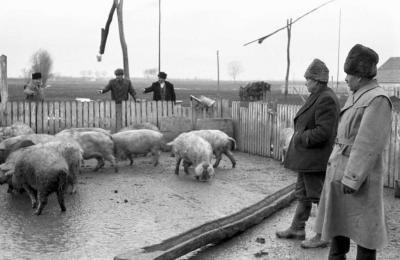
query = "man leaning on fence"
{"x": 34, "y": 89}
{"x": 352, "y": 199}
{"x": 120, "y": 88}
{"x": 315, "y": 127}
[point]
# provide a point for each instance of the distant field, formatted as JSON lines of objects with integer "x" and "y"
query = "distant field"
{"x": 78, "y": 88}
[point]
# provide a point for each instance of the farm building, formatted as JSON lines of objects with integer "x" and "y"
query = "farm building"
{"x": 389, "y": 76}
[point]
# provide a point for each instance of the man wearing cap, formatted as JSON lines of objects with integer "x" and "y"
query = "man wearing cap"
{"x": 119, "y": 87}
{"x": 315, "y": 127}
{"x": 162, "y": 90}
{"x": 34, "y": 90}
{"x": 352, "y": 198}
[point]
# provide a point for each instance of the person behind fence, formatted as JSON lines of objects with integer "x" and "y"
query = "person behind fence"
{"x": 352, "y": 198}
{"x": 119, "y": 87}
{"x": 315, "y": 127}
{"x": 162, "y": 90}
{"x": 34, "y": 89}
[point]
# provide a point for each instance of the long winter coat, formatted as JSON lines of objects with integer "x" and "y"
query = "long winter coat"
{"x": 315, "y": 127}
{"x": 358, "y": 160}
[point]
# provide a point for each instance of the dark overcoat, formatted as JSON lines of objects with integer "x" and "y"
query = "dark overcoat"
{"x": 315, "y": 128}
{"x": 156, "y": 89}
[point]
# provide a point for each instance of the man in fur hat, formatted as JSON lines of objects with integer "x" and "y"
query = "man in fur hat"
{"x": 315, "y": 127}
{"x": 162, "y": 89}
{"x": 34, "y": 90}
{"x": 352, "y": 198}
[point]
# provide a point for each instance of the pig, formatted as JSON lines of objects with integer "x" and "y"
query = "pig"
{"x": 15, "y": 129}
{"x": 86, "y": 129}
{"x": 284, "y": 140}
{"x": 134, "y": 142}
{"x": 196, "y": 151}
{"x": 71, "y": 151}
{"x": 41, "y": 171}
{"x": 94, "y": 145}
{"x": 7, "y": 168}
{"x": 220, "y": 142}
{"x": 145, "y": 125}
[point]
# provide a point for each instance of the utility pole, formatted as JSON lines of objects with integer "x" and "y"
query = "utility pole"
{"x": 338, "y": 52}
{"x": 219, "y": 94}
{"x": 159, "y": 35}
{"x": 289, "y": 33}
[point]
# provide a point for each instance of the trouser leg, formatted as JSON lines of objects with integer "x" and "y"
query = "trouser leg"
{"x": 365, "y": 253}
{"x": 340, "y": 246}
{"x": 301, "y": 214}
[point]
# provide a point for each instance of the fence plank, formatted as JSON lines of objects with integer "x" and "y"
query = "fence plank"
{"x": 39, "y": 117}
{"x": 96, "y": 114}
{"x": 107, "y": 114}
{"x": 50, "y": 117}
{"x": 68, "y": 114}
{"x": 56, "y": 116}
{"x": 27, "y": 113}
{"x": 62, "y": 115}
{"x": 101, "y": 114}
{"x": 113, "y": 117}
{"x": 149, "y": 112}
{"x": 138, "y": 113}
{"x": 9, "y": 114}
{"x": 33, "y": 116}
{"x": 21, "y": 117}
{"x": 91, "y": 114}
{"x": 74, "y": 122}
{"x": 14, "y": 112}
{"x": 79, "y": 114}
{"x": 85, "y": 114}
{"x": 128, "y": 112}
{"x": 170, "y": 109}
{"x": 133, "y": 113}
{"x": 45, "y": 120}
{"x": 143, "y": 107}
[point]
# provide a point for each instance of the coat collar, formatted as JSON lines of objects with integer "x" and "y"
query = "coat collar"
{"x": 310, "y": 101}
{"x": 356, "y": 96}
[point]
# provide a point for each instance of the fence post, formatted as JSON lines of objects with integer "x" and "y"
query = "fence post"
{"x": 3, "y": 87}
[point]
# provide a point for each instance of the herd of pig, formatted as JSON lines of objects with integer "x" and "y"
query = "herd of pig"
{"x": 41, "y": 164}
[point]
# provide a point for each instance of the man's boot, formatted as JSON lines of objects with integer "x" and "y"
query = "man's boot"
{"x": 314, "y": 242}
{"x": 297, "y": 228}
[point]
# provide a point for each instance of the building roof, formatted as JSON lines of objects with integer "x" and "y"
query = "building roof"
{"x": 389, "y": 72}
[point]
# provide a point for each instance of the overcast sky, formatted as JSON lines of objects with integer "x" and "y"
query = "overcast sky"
{"x": 192, "y": 31}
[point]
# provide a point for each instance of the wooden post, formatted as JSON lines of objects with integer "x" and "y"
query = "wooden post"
{"x": 122, "y": 37}
{"x": 159, "y": 36}
{"x": 3, "y": 86}
{"x": 289, "y": 31}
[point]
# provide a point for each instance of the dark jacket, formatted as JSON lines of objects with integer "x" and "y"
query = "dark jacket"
{"x": 315, "y": 129}
{"x": 120, "y": 89}
{"x": 156, "y": 88}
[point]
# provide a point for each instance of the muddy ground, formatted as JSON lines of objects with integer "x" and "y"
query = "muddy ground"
{"x": 138, "y": 206}
{"x": 245, "y": 246}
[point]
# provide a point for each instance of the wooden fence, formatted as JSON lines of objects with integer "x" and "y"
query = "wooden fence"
{"x": 53, "y": 116}
{"x": 257, "y": 130}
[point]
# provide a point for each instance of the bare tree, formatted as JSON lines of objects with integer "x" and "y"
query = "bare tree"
{"x": 150, "y": 72}
{"x": 234, "y": 69}
{"x": 42, "y": 62}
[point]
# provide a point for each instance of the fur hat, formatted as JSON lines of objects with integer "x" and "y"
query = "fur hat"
{"x": 317, "y": 71}
{"x": 162, "y": 75}
{"x": 119, "y": 72}
{"x": 36, "y": 75}
{"x": 361, "y": 61}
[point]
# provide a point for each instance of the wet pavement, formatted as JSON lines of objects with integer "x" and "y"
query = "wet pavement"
{"x": 141, "y": 205}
